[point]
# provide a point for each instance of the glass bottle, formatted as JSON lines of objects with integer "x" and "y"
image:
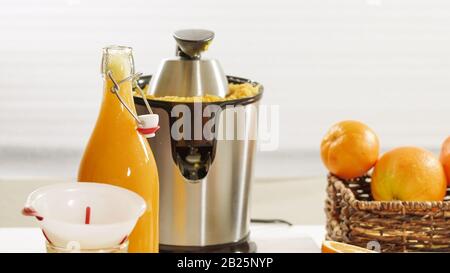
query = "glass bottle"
{"x": 119, "y": 155}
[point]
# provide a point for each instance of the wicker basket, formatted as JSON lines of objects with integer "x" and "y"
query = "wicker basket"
{"x": 353, "y": 217}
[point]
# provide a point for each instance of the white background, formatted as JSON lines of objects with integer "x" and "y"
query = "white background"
{"x": 386, "y": 63}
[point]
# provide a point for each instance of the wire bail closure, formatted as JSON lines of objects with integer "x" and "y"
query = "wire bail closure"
{"x": 143, "y": 120}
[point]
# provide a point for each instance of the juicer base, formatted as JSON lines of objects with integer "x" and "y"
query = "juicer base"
{"x": 242, "y": 246}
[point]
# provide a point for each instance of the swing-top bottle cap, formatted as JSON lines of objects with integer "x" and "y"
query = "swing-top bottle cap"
{"x": 148, "y": 125}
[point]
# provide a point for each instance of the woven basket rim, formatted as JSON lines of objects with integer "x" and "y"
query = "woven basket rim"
{"x": 404, "y": 206}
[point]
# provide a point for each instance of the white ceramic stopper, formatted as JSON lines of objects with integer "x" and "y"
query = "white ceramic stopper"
{"x": 149, "y": 122}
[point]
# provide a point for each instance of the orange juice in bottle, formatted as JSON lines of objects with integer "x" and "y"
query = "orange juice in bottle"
{"x": 118, "y": 154}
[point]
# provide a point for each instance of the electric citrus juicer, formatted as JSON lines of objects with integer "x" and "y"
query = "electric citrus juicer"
{"x": 205, "y": 180}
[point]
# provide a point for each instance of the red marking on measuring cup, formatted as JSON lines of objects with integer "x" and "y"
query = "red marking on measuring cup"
{"x": 46, "y": 237}
{"x": 87, "y": 219}
{"x": 124, "y": 240}
{"x": 29, "y": 211}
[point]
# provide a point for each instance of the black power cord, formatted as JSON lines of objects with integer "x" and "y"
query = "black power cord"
{"x": 271, "y": 221}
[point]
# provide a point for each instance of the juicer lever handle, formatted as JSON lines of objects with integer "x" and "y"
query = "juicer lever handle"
{"x": 192, "y": 42}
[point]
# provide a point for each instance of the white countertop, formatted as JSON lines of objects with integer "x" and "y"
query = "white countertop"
{"x": 299, "y": 200}
{"x": 268, "y": 238}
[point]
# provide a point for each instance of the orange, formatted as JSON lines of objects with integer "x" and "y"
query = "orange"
{"x": 445, "y": 158}
{"x": 408, "y": 174}
{"x": 349, "y": 149}
{"x": 336, "y": 247}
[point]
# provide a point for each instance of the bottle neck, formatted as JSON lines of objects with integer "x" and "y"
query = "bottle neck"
{"x": 117, "y": 62}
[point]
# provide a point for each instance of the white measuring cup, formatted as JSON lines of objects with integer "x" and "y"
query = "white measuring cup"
{"x": 85, "y": 215}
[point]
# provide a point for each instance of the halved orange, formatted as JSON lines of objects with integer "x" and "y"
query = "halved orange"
{"x": 336, "y": 247}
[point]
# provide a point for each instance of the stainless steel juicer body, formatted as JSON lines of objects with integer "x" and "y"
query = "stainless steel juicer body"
{"x": 204, "y": 182}
{"x": 213, "y": 210}
{"x": 189, "y": 78}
